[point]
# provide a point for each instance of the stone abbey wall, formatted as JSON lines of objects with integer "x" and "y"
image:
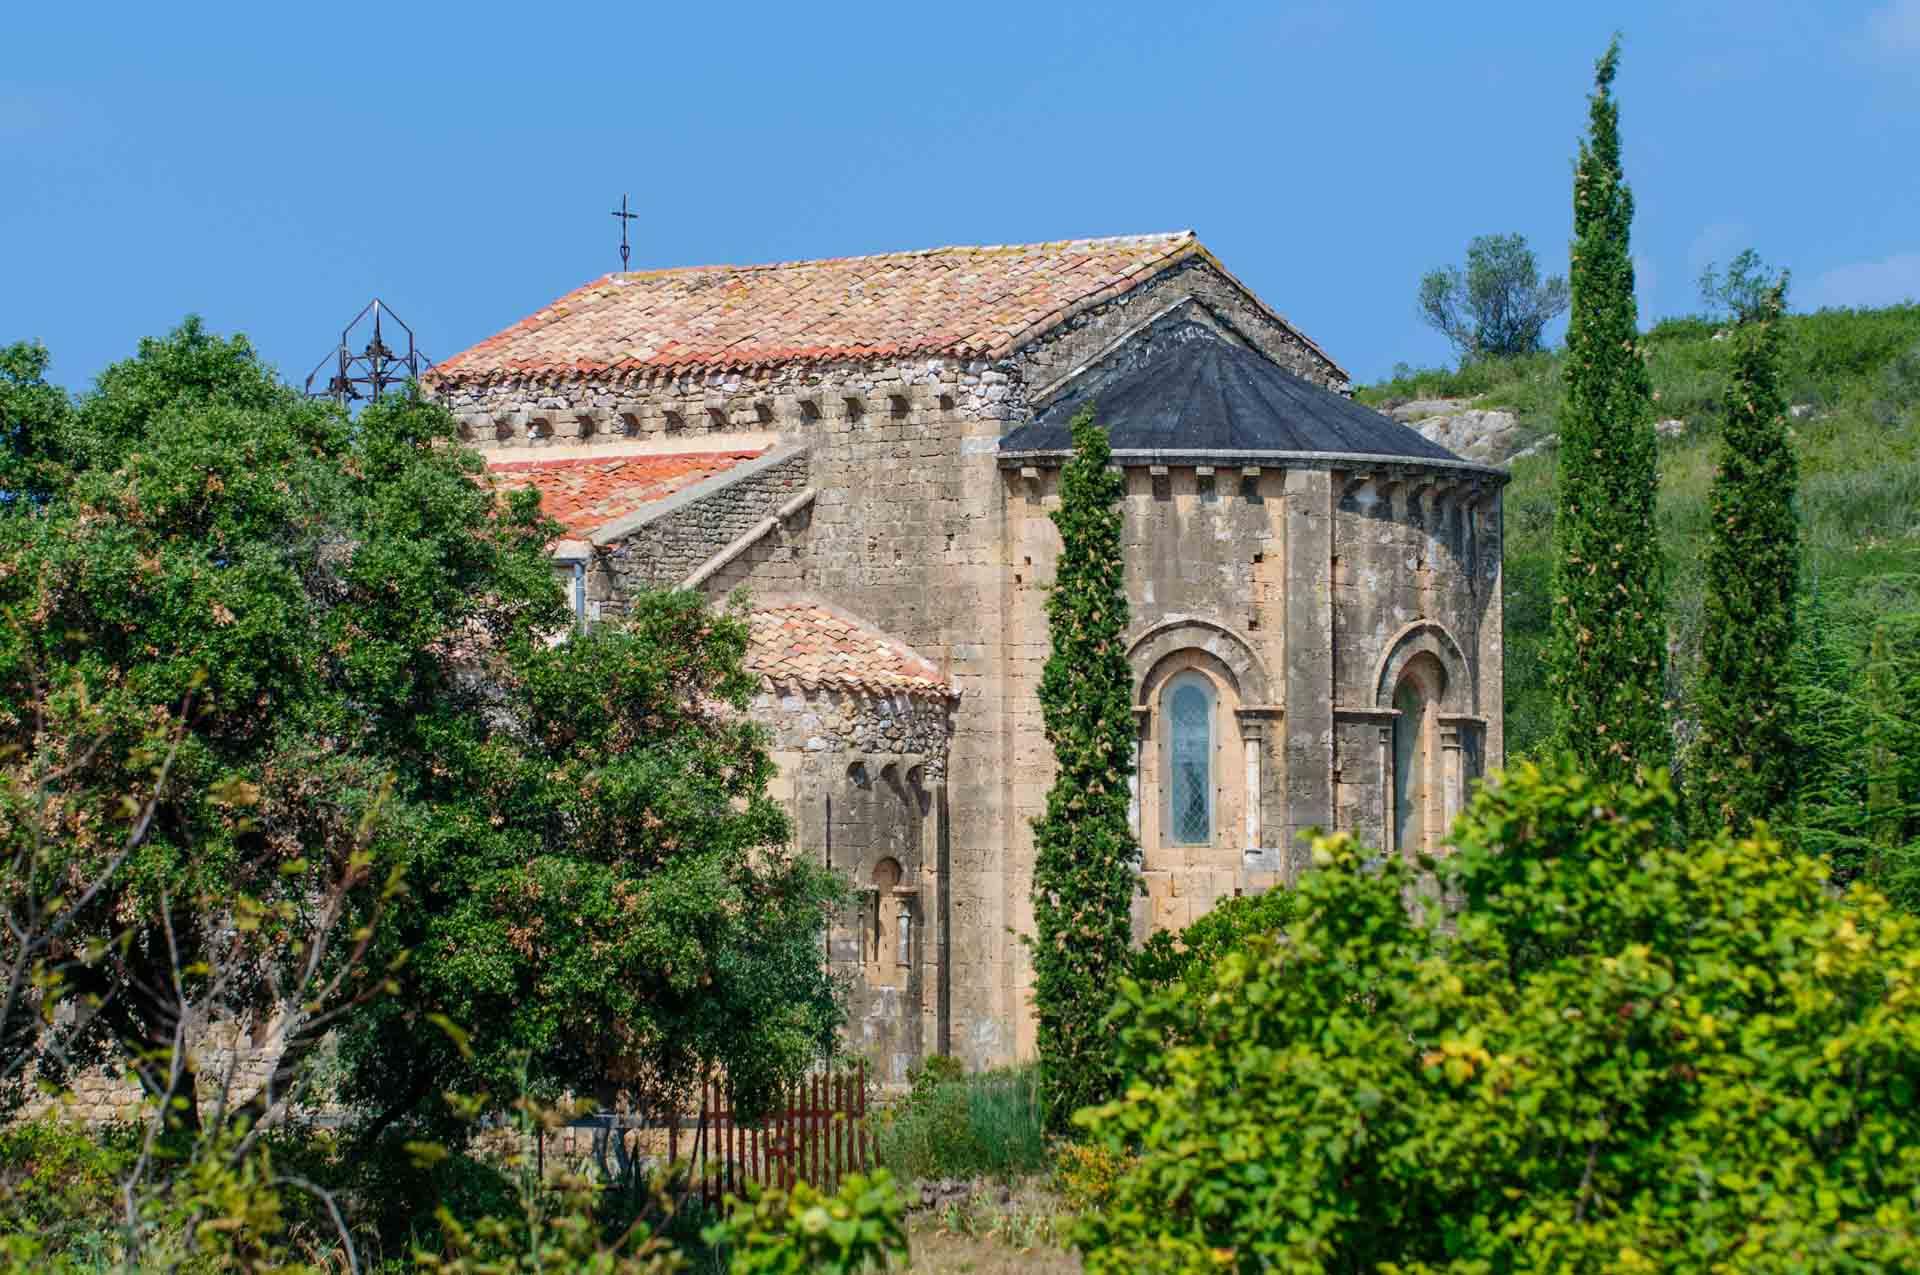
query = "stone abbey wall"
{"x": 1287, "y": 591}
{"x": 917, "y": 529}
{"x": 860, "y": 777}
{"x": 1415, "y": 571}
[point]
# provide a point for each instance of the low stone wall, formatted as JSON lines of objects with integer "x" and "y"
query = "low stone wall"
{"x": 103, "y": 1093}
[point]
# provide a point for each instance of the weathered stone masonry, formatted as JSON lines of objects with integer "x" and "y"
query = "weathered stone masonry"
{"x": 1302, "y": 590}
{"x": 670, "y": 543}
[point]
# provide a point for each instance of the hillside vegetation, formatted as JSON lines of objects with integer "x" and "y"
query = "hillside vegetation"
{"x": 1853, "y": 377}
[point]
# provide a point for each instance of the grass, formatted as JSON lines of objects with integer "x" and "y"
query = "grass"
{"x": 952, "y": 1126}
{"x": 1856, "y": 374}
{"x": 1026, "y": 1236}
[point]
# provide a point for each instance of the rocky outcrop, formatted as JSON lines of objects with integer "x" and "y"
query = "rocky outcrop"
{"x": 1487, "y": 435}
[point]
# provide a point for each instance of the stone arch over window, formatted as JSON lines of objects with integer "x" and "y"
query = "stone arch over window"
{"x": 1241, "y": 719}
{"x": 1242, "y": 664}
{"x": 1432, "y": 750}
{"x": 1426, "y": 637}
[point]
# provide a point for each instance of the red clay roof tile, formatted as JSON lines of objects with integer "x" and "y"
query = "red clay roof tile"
{"x": 957, "y": 301}
{"x": 585, "y": 493}
{"x": 805, "y": 641}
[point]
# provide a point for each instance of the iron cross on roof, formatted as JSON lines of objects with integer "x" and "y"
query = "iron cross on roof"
{"x": 624, "y": 217}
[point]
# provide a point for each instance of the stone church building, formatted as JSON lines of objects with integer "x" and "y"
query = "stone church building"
{"x": 870, "y": 447}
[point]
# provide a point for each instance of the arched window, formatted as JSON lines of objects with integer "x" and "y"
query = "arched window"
{"x": 1414, "y": 770}
{"x": 880, "y": 926}
{"x": 1189, "y": 771}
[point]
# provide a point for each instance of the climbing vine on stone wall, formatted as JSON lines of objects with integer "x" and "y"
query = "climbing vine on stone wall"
{"x": 1084, "y": 877}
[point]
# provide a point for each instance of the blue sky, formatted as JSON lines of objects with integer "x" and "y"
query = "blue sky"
{"x": 271, "y": 167}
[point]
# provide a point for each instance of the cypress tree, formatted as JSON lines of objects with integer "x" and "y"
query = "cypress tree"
{"x": 1606, "y": 657}
{"x": 1084, "y": 879}
{"x": 1742, "y": 766}
{"x": 1883, "y": 772}
{"x": 1830, "y": 719}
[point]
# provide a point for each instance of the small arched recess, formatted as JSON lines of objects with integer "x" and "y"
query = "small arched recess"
{"x": 1434, "y": 745}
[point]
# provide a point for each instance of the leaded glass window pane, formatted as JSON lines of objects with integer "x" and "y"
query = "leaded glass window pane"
{"x": 1190, "y": 788}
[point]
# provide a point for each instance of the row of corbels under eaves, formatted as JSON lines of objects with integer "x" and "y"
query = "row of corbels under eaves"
{"x": 541, "y": 423}
{"x": 1030, "y": 474}
{"x": 1449, "y": 491}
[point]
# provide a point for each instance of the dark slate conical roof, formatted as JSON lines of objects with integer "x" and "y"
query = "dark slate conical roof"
{"x": 1200, "y": 391}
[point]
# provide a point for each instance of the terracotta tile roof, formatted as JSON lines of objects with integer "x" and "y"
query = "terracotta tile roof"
{"x": 957, "y": 301}
{"x": 803, "y": 640}
{"x": 586, "y": 493}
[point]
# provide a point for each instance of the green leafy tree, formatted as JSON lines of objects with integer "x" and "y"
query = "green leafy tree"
{"x": 1606, "y": 657}
{"x": 264, "y": 659}
{"x": 1499, "y": 305}
{"x": 1617, "y": 1053}
{"x": 1742, "y": 292}
{"x": 218, "y": 571}
{"x": 1743, "y": 761}
{"x": 1084, "y": 878}
{"x": 33, "y": 415}
{"x": 1168, "y": 958}
{"x": 604, "y": 893}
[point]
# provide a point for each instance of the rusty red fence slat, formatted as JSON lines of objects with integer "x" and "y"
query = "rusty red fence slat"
{"x": 815, "y": 1133}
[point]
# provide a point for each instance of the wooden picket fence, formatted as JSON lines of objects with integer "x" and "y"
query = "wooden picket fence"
{"x": 817, "y": 1134}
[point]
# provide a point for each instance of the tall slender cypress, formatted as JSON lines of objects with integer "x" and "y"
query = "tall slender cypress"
{"x": 1084, "y": 878}
{"x": 1606, "y": 658}
{"x": 1742, "y": 764}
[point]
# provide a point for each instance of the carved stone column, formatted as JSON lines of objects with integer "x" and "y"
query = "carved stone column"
{"x": 1460, "y": 751}
{"x": 1254, "y": 731}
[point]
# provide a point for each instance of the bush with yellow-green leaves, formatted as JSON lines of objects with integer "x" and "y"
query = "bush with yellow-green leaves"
{"x": 803, "y": 1232}
{"x": 1612, "y": 1051}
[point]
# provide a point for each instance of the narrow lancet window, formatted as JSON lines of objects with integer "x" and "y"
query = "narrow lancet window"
{"x": 1190, "y": 757}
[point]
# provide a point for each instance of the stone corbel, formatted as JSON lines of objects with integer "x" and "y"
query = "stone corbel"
{"x": 1358, "y": 490}
{"x": 1417, "y": 489}
{"x": 1390, "y": 487}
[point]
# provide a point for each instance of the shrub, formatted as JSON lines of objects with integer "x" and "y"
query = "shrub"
{"x": 1086, "y": 1174}
{"x": 964, "y": 1126}
{"x": 1168, "y": 958}
{"x": 1621, "y": 1053}
{"x": 60, "y": 1181}
{"x": 801, "y": 1232}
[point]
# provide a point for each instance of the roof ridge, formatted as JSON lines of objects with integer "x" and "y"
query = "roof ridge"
{"x": 970, "y": 301}
{"x": 1170, "y": 237}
